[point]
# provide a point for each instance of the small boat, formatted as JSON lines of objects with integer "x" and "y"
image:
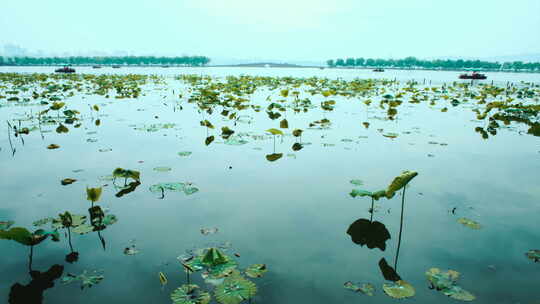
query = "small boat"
{"x": 96, "y": 67}
{"x": 378, "y": 70}
{"x": 65, "y": 69}
{"x": 165, "y": 66}
{"x": 474, "y": 75}
{"x": 115, "y": 66}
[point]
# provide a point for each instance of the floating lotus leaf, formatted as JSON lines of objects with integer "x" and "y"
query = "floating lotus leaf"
{"x": 226, "y": 132}
{"x": 93, "y": 194}
{"x": 105, "y": 150}
{"x": 366, "y": 288}
{"x": 67, "y": 181}
{"x": 235, "y": 290}
{"x": 184, "y": 153}
{"x": 206, "y": 123}
{"x": 176, "y": 187}
{"x": 533, "y": 254}
{"x": 207, "y": 231}
{"x": 256, "y": 270}
{"x": 193, "y": 264}
{"x": 6, "y": 224}
{"x": 190, "y": 189}
{"x": 43, "y": 221}
{"x": 399, "y": 290}
{"x": 357, "y": 182}
{"x": 126, "y": 173}
{"x": 458, "y": 293}
{"x": 274, "y": 131}
{"x": 446, "y": 282}
{"x": 62, "y": 129}
{"x": 68, "y": 220}
{"x": 469, "y": 223}
{"x": 400, "y": 182}
{"x": 131, "y": 250}
{"x": 361, "y": 193}
{"x": 162, "y": 169}
{"x": 391, "y": 135}
{"x": 222, "y": 270}
{"x": 297, "y": 146}
{"x": 109, "y": 219}
{"x": 83, "y": 229}
{"x": 234, "y": 141}
{"x": 53, "y": 146}
{"x": 57, "y": 106}
{"x": 86, "y": 280}
{"x": 274, "y": 156}
{"x": 190, "y": 294}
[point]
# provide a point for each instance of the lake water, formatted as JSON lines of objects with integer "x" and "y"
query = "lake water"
{"x": 291, "y": 214}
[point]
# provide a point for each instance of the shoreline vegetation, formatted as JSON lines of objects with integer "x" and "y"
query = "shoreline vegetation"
{"x": 445, "y": 65}
{"x": 105, "y": 61}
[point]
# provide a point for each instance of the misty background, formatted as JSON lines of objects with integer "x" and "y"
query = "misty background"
{"x": 298, "y": 32}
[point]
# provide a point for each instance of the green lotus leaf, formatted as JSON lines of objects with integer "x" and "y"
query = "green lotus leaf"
{"x": 235, "y": 290}
{"x": 68, "y": 220}
{"x": 274, "y": 131}
{"x": 162, "y": 169}
{"x": 83, "y": 229}
{"x": 209, "y": 140}
{"x": 126, "y": 173}
{"x": 93, "y": 194}
{"x": 367, "y": 288}
{"x": 234, "y": 141}
{"x": 469, "y": 223}
{"x": 40, "y": 235}
{"x": 206, "y": 123}
{"x": 109, "y": 219}
{"x": 357, "y": 182}
{"x": 442, "y": 280}
{"x": 458, "y": 293}
{"x": 377, "y": 195}
{"x": 190, "y": 189}
{"x": 86, "y": 280}
{"x": 399, "y": 290}
{"x": 361, "y": 193}
{"x": 190, "y": 294}
{"x": 297, "y": 132}
{"x": 67, "y": 181}
{"x": 43, "y": 221}
{"x": 17, "y": 234}
{"x": 57, "y": 106}
{"x": 213, "y": 257}
{"x": 256, "y": 270}
{"x": 193, "y": 264}
{"x": 175, "y": 187}
{"x": 400, "y": 182}
{"x": 184, "y": 153}
{"x": 284, "y": 124}
{"x": 533, "y": 254}
{"x": 6, "y": 224}
{"x": 222, "y": 270}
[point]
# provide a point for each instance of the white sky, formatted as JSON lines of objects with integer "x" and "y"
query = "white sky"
{"x": 278, "y": 29}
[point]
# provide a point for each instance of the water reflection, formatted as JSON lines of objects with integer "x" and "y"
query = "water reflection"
{"x": 32, "y": 293}
{"x": 369, "y": 233}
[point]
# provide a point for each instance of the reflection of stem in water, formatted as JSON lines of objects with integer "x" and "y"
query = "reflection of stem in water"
{"x": 400, "y": 227}
{"x": 187, "y": 272}
{"x": 274, "y": 144}
{"x": 372, "y": 211}
{"x": 101, "y": 239}
{"x": 30, "y": 258}
{"x": 69, "y": 238}
{"x": 9, "y": 138}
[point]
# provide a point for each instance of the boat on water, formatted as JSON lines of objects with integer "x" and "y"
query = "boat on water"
{"x": 65, "y": 69}
{"x": 473, "y": 75}
{"x": 115, "y": 66}
{"x": 378, "y": 70}
{"x": 96, "y": 67}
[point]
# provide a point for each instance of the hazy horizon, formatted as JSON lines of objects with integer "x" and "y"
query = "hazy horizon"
{"x": 307, "y": 31}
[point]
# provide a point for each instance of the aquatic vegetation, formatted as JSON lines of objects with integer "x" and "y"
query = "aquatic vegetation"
{"x": 446, "y": 283}
{"x": 256, "y": 270}
{"x": 366, "y": 288}
{"x": 86, "y": 279}
{"x": 399, "y": 290}
{"x": 533, "y": 254}
{"x": 190, "y": 294}
{"x": 235, "y": 290}
{"x": 469, "y": 223}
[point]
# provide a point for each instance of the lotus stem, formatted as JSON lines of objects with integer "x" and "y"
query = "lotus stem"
{"x": 372, "y": 211}
{"x": 400, "y": 226}
{"x": 30, "y": 258}
{"x": 69, "y": 238}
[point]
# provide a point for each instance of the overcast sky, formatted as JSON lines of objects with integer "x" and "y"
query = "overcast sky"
{"x": 277, "y": 29}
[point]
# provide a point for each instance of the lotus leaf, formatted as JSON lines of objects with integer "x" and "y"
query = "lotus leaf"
{"x": 533, "y": 254}
{"x": 235, "y": 290}
{"x": 86, "y": 280}
{"x": 446, "y": 282}
{"x": 233, "y": 141}
{"x": 400, "y": 182}
{"x": 162, "y": 169}
{"x": 256, "y": 270}
{"x": 399, "y": 290}
{"x": 82, "y": 229}
{"x": 213, "y": 257}
{"x": 357, "y": 182}
{"x": 67, "y": 181}
{"x": 190, "y": 294}
{"x": 6, "y": 224}
{"x": 366, "y": 288}
{"x": 93, "y": 194}
{"x": 469, "y": 223}
{"x": 184, "y": 153}
{"x": 209, "y": 140}
{"x": 284, "y": 124}
{"x": 53, "y": 146}
{"x": 274, "y": 131}
{"x": 297, "y": 132}
{"x": 274, "y": 156}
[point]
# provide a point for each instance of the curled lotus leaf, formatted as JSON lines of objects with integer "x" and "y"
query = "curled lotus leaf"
{"x": 190, "y": 294}
{"x": 53, "y": 146}
{"x": 234, "y": 290}
{"x": 361, "y": 193}
{"x": 209, "y": 140}
{"x": 400, "y": 182}
{"x": 357, "y": 182}
{"x": 399, "y": 290}
{"x": 366, "y": 288}
{"x": 297, "y": 132}
{"x": 213, "y": 257}
{"x": 126, "y": 173}
{"x": 274, "y": 131}
{"x": 6, "y": 224}
{"x": 93, "y": 194}
{"x": 67, "y": 181}
{"x": 256, "y": 270}
{"x": 284, "y": 124}
{"x": 469, "y": 223}
{"x": 534, "y": 255}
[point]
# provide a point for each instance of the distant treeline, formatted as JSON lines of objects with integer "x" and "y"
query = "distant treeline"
{"x": 108, "y": 60}
{"x": 412, "y": 62}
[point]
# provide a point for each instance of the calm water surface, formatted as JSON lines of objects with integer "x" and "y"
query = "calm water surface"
{"x": 292, "y": 214}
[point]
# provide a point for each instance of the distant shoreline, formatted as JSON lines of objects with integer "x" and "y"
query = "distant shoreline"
{"x": 279, "y": 65}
